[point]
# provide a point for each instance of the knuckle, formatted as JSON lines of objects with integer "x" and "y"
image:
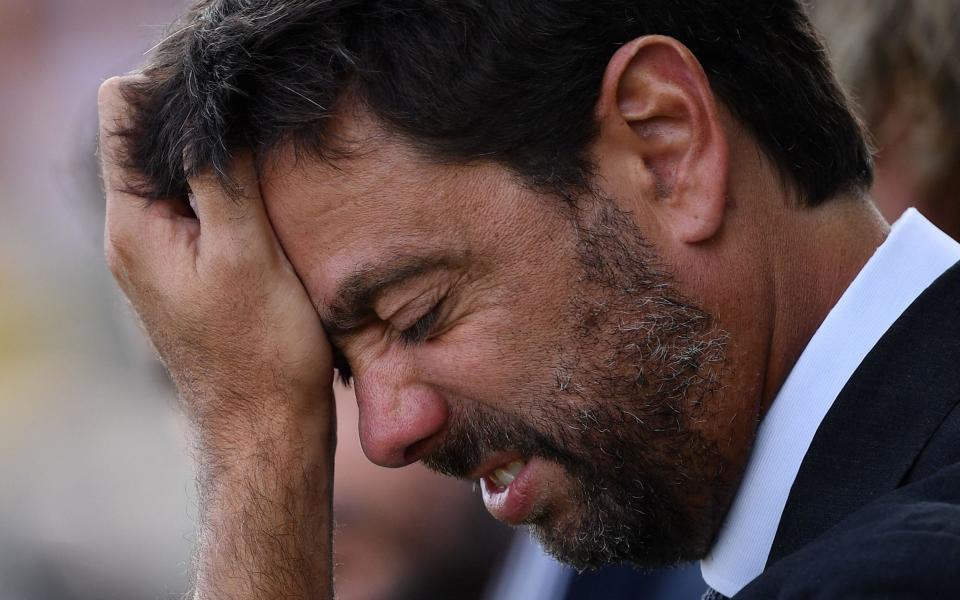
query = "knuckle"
{"x": 117, "y": 253}
{"x": 110, "y": 102}
{"x": 112, "y": 91}
{"x": 112, "y": 258}
{"x": 109, "y": 90}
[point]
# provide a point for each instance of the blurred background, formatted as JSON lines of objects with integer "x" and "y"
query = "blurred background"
{"x": 96, "y": 489}
{"x": 94, "y": 480}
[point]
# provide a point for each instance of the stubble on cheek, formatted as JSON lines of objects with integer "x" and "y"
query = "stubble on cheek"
{"x": 610, "y": 376}
{"x": 638, "y": 369}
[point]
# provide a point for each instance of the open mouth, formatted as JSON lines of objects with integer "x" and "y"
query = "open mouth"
{"x": 510, "y": 489}
{"x": 502, "y": 477}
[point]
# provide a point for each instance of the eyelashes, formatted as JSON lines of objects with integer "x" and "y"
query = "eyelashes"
{"x": 413, "y": 335}
{"x": 420, "y": 330}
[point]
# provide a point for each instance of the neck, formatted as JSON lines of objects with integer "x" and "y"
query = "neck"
{"x": 824, "y": 250}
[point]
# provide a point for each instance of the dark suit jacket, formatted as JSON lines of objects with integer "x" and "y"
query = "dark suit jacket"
{"x": 875, "y": 509}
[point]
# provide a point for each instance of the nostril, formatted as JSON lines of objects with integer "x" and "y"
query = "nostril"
{"x": 399, "y": 427}
{"x": 421, "y": 448}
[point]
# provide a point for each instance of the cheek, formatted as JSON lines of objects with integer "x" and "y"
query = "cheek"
{"x": 508, "y": 349}
{"x": 506, "y": 344}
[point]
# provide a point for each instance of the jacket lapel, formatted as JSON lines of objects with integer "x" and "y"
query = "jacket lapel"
{"x": 882, "y": 419}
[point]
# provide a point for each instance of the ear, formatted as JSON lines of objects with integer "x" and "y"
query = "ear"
{"x": 660, "y": 129}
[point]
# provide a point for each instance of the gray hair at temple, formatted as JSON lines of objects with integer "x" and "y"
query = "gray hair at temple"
{"x": 900, "y": 60}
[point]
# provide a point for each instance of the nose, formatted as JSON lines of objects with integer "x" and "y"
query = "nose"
{"x": 399, "y": 422}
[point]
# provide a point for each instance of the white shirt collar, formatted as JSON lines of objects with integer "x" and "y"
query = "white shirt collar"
{"x": 914, "y": 255}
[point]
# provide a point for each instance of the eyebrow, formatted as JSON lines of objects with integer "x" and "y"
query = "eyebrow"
{"x": 352, "y": 304}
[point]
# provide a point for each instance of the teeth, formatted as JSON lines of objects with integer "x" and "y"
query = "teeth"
{"x": 504, "y": 476}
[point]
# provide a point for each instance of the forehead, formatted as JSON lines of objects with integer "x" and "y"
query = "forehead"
{"x": 383, "y": 199}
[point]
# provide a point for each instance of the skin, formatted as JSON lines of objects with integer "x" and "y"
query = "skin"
{"x": 719, "y": 219}
{"x": 404, "y": 533}
{"x": 260, "y": 398}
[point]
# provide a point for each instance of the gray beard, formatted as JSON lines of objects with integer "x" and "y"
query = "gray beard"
{"x": 639, "y": 368}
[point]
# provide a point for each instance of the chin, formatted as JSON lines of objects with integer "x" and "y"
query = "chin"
{"x": 597, "y": 532}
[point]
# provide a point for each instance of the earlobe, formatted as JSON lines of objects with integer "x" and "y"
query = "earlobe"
{"x": 657, "y": 110}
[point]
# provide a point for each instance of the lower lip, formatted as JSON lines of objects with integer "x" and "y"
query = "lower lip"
{"x": 514, "y": 503}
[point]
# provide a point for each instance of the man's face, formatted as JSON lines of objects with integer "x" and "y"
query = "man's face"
{"x": 506, "y": 335}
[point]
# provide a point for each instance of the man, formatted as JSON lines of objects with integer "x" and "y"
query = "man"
{"x": 573, "y": 250}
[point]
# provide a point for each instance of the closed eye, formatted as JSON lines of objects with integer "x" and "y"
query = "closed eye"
{"x": 420, "y": 330}
{"x": 415, "y": 334}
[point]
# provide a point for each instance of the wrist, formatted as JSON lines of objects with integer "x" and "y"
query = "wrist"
{"x": 279, "y": 438}
{"x": 266, "y": 491}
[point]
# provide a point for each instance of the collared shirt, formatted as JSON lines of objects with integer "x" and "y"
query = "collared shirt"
{"x": 529, "y": 573}
{"x": 914, "y": 255}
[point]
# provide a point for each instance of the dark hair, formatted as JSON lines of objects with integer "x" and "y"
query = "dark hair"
{"x": 511, "y": 81}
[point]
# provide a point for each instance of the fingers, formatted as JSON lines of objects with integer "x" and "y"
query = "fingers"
{"x": 233, "y": 215}
{"x": 139, "y": 236}
{"x": 115, "y": 119}
{"x": 149, "y": 235}
{"x": 124, "y": 213}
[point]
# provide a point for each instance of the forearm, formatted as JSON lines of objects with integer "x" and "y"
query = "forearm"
{"x": 266, "y": 516}
{"x": 242, "y": 340}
